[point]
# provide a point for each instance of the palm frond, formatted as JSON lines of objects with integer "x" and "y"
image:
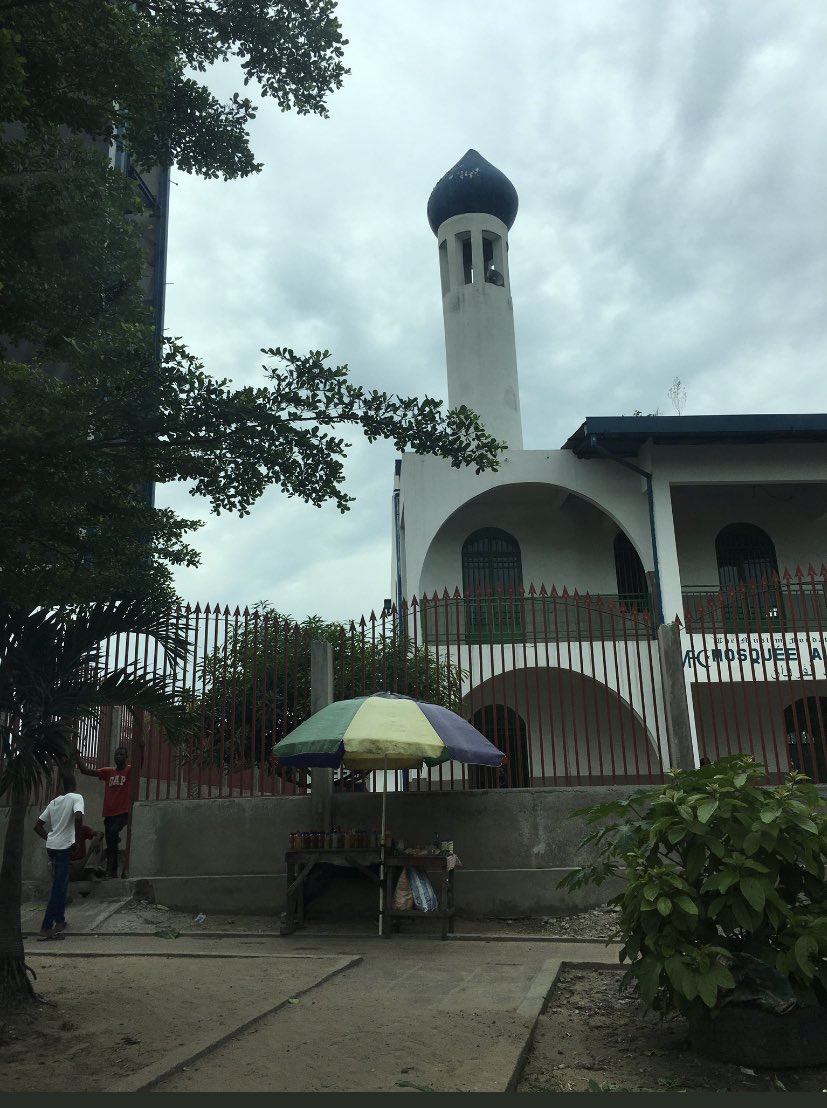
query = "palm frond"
{"x": 54, "y": 671}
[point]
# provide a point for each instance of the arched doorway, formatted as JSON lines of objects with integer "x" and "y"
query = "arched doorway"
{"x": 804, "y": 722}
{"x": 506, "y": 729}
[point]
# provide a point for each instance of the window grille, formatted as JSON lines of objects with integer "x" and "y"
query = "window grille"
{"x": 492, "y": 577}
{"x": 632, "y": 587}
{"x": 746, "y": 556}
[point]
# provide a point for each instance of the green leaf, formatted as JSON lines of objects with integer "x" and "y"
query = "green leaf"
{"x": 716, "y": 847}
{"x": 676, "y": 971}
{"x": 715, "y": 906}
{"x": 696, "y": 857}
{"x": 727, "y": 879}
{"x": 753, "y": 892}
{"x": 742, "y": 913}
{"x": 721, "y": 976}
{"x": 687, "y": 905}
{"x": 648, "y": 973}
{"x": 707, "y": 810}
{"x": 664, "y": 905}
{"x": 707, "y": 989}
{"x": 806, "y": 953}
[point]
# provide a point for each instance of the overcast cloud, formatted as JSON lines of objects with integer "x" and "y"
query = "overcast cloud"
{"x": 670, "y": 162}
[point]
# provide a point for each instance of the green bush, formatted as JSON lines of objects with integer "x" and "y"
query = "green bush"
{"x": 724, "y": 898}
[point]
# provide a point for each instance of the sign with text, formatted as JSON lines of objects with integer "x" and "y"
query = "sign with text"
{"x": 756, "y": 657}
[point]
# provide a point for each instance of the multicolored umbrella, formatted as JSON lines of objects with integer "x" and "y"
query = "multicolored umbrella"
{"x": 385, "y": 731}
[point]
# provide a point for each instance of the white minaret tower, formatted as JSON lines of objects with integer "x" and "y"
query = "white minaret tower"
{"x": 470, "y": 211}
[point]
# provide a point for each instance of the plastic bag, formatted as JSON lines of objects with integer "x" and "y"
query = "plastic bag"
{"x": 422, "y": 890}
{"x": 402, "y": 896}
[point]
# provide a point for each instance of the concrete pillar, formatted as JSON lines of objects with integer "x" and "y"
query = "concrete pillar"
{"x": 321, "y": 694}
{"x": 668, "y": 566}
{"x": 676, "y": 705}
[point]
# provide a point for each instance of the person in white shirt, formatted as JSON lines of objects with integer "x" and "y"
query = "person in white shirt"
{"x": 59, "y": 825}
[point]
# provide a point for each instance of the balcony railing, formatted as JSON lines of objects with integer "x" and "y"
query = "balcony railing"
{"x": 542, "y": 617}
{"x": 778, "y": 606}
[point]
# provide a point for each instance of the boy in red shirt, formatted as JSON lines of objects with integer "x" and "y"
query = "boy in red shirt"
{"x": 116, "y": 802}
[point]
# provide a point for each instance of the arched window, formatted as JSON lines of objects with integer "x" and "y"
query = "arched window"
{"x": 744, "y": 553}
{"x": 804, "y": 722}
{"x": 506, "y": 729}
{"x": 632, "y": 587}
{"x": 492, "y": 576}
{"x": 746, "y": 556}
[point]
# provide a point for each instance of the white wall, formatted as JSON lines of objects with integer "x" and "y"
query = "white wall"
{"x": 793, "y": 515}
{"x": 559, "y": 534}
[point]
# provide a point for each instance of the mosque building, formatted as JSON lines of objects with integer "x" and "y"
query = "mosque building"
{"x": 584, "y": 591}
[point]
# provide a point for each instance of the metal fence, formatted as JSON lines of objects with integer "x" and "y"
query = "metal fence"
{"x": 568, "y": 685}
{"x": 571, "y": 692}
{"x": 755, "y": 661}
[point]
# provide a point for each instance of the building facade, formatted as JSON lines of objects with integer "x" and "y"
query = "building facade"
{"x": 546, "y": 583}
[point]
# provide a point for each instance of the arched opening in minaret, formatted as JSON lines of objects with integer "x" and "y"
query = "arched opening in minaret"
{"x": 492, "y": 258}
{"x": 464, "y": 239}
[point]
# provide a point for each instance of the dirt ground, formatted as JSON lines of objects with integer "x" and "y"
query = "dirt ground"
{"x": 594, "y": 1038}
{"x": 88, "y": 1032}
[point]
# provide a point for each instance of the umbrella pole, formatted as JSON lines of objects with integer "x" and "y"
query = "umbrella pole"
{"x": 382, "y": 848}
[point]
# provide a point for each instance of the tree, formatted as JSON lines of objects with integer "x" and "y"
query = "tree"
{"x": 75, "y": 454}
{"x": 89, "y": 417}
{"x": 128, "y": 71}
{"x": 50, "y": 678}
{"x": 71, "y": 250}
{"x": 264, "y": 663}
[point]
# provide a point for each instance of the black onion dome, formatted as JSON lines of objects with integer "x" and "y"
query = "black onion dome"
{"x": 473, "y": 185}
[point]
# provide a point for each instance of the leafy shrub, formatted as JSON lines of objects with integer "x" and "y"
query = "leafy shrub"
{"x": 724, "y": 898}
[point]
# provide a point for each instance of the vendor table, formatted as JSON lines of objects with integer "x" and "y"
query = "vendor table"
{"x": 300, "y": 864}
{"x": 444, "y": 888}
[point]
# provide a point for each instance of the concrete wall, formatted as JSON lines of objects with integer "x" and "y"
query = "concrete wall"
{"x": 229, "y": 854}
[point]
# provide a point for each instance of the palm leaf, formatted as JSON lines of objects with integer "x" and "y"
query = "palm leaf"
{"x": 54, "y": 672}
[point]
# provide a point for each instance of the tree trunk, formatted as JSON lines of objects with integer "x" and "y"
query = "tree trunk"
{"x": 15, "y": 986}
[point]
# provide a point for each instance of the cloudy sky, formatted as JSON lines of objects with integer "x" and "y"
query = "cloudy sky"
{"x": 670, "y": 160}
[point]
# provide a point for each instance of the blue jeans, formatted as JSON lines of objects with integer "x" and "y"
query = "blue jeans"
{"x": 112, "y": 827}
{"x": 56, "y": 908}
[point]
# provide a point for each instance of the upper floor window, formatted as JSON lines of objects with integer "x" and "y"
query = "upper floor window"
{"x": 632, "y": 587}
{"x": 491, "y": 561}
{"x": 491, "y": 565}
{"x": 744, "y": 554}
